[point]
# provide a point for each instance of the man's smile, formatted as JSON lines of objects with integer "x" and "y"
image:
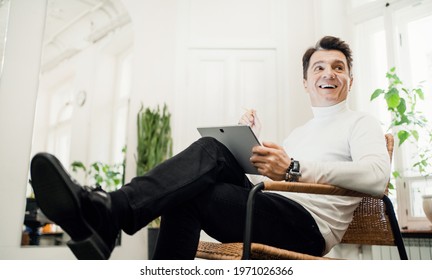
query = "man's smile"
{"x": 325, "y": 86}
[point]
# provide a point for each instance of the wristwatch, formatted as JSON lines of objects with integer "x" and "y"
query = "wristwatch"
{"x": 293, "y": 172}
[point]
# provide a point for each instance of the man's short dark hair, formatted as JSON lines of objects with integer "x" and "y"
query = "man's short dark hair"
{"x": 327, "y": 43}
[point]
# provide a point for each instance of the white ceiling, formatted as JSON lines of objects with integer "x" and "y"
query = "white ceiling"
{"x": 60, "y": 13}
{"x": 71, "y": 25}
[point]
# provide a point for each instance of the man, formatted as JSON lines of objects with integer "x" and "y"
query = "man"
{"x": 204, "y": 188}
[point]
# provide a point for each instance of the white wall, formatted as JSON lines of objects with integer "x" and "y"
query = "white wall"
{"x": 162, "y": 48}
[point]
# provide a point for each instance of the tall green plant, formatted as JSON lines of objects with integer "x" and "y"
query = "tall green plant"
{"x": 154, "y": 139}
{"x": 407, "y": 122}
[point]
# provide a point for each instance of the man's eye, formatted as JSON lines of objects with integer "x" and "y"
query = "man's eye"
{"x": 318, "y": 68}
{"x": 339, "y": 68}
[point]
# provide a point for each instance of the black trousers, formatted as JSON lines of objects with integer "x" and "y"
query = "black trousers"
{"x": 204, "y": 188}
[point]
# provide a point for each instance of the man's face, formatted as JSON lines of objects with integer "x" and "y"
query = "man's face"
{"x": 328, "y": 79}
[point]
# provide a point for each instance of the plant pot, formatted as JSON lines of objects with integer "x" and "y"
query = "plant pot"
{"x": 427, "y": 206}
{"x": 152, "y": 240}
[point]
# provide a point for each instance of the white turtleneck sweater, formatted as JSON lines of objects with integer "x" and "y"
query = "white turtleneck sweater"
{"x": 343, "y": 148}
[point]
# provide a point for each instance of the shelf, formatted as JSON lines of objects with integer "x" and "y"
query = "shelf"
{"x": 425, "y": 232}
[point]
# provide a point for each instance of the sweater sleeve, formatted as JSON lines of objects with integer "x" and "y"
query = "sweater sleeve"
{"x": 369, "y": 169}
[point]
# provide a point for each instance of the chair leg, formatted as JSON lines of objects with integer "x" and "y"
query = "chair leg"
{"x": 247, "y": 240}
{"x": 395, "y": 228}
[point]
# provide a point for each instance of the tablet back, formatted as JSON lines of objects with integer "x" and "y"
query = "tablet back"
{"x": 239, "y": 139}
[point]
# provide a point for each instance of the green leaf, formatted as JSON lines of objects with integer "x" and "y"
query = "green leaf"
{"x": 376, "y": 93}
{"x": 403, "y": 135}
{"x": 415, "y": 134}
{"x": 396, "y": 174}
{"x": 401, "y": 108}
{"x": 78, "y": 165}
{"x": 420, "y": 93}
{"x": 98, "y": 178}
{"x": 404, "y": 119}
{"x": 389, "y": 75}
{"x": 392, "y": 98}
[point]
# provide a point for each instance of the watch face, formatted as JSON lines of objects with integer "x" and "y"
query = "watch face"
{"x": 296, "y": 166}
{"x": 294, "y": 173}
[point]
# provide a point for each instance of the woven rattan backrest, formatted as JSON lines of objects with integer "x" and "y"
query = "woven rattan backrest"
{"x": 370, "y": 224}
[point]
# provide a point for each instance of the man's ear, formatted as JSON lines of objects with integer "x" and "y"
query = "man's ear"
{"x": 351, "y": 82}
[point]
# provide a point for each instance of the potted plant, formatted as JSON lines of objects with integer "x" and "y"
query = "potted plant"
{"x": 408, "y": 123}
{"x": 109, "y": 177}
{"x": 154, "y": 145}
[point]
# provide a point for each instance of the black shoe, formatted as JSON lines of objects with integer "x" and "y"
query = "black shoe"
{"x": 83, "y": 213}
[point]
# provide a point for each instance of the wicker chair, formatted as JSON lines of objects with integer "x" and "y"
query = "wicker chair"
{"x": 374, "y": 223}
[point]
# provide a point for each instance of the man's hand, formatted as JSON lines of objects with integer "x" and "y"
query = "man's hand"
{"x": 250, "y": 118}
{"x": 271, "y": 160}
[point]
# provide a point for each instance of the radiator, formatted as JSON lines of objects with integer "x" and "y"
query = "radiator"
{"x": 417, "y": 249}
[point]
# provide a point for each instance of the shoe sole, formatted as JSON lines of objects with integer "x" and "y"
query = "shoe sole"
{"x": 58, "y": 198}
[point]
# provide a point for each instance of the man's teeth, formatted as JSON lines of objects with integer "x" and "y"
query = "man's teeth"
{"x": 328, "y": 86}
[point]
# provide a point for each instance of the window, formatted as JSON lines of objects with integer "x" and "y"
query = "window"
{"x": 121, "y": 104}
{"x": 60, "y": 115}
{"x": 415, "y": 54}
{"x": 397, "y": 36}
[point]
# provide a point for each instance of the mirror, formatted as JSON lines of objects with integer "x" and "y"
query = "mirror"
{"x": 4, "y": 19}
{"x": 83, "y": 100}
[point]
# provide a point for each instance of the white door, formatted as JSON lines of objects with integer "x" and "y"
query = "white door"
{"x": 227, "y": 66}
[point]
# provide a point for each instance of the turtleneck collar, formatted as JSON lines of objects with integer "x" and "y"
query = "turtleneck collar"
{"x": 322, "y": 112}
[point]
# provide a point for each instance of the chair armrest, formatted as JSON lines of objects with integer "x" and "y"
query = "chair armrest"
{"x": 311, "y": 188}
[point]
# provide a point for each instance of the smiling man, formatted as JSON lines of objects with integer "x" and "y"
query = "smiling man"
{"x": 204, "y": 188}
{"x": 337, "y": 146}
{"x": 327, "y": 75}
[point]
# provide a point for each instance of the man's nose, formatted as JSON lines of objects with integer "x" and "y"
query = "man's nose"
{"x": 329, "y": 73}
